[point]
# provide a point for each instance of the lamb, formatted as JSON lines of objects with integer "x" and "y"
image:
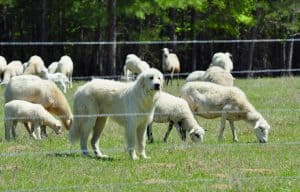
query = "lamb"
{"x": 176, "y": 111}
{"x": 170, "y": 65}
{"x": 213, "y": 74}
{"x": 33, "y": 89}
{"x": 3, "y": 65}
{"x": 210, "y": 101}
{"x": 223, "y": 60}
{"x": 22, "y": 111}
{"x": 65, "y": 66}
{"x": 133, "y": 64}
{"x": 52, "y": 67}
{"x": 58, "y": 78}
{"x": 14, "y": 68}
{"x": 35, "y": 66}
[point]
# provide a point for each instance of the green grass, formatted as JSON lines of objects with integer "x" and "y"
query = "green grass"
{"x": 52, "y": 164}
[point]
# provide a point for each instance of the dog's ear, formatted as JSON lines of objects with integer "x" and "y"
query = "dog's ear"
{"x": 142, "y": 82}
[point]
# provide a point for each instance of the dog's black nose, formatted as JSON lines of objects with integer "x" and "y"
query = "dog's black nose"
{"x": 156, "y": 86}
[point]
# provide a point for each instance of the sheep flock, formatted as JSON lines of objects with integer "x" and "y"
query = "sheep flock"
{"x": 35, "y": 96}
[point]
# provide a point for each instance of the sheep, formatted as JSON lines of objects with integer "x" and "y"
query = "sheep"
{"x": 176, "y": 111}
{"x": 22, "y": 111}
{"x": 210, "y": 101}
{"x": 171, "y": 65}
{"x": 52, "y": 67}
{"x": 65, "y": 66}
{"x": 223, "y": 60}
{"x": 35, "y": 66}
{"x": 33, "y": 89}
{"x": 14, "y": 68}
{"x": 213, "y": 74}
{"x": 58, "y": 78}
{"x": 133, "y": 64}
{"x": 3, "y": 65}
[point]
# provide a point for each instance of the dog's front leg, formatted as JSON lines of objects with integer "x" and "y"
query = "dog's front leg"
{"x": 131, "y": 138}
{"x": 141, "y": 139}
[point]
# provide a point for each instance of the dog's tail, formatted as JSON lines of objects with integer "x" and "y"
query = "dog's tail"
{"x": 74, "y": 133}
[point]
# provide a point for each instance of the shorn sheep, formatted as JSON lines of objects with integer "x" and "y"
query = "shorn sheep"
{"x": 176, "y": 111}
{"x": 52, "y": 67}
{"x": 35, "y": 65}
{"x": 135, "y": 101}
{"x": 14, "y": 68}
{"x": 3, "y": 65}
{"x": 210, "y": 101}
{"x": 134, "y": 65}
{"x": 33, "y": 89}
{"x": 171, "y": 65}
{"x": 58, "y": 78}
{"x": 223, "y": 60}
{"x": 22, "y": 111}
{"x": 65, "y": 66}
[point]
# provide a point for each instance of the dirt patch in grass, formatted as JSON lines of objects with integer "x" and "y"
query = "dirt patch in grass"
{"x": 18, "y": 148}
{"x": 257, "y": 170}
{"x": 159, "y": 165}
{"x": 220, "y": 187}
{"x": 155, "y": 181}
{"x": 9, "y": 167}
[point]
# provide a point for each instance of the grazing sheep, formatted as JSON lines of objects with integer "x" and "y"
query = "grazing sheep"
{"x": 135, "y": 101}
{"x": 213, "y": 74}
{"x": 170, "y": 65}
{"x": 210, "y": 101}
{"x": 222, "y": 60}
{"x": 58, "y": 78}
{"x": 134, "y": 65}
{"x": 14, "y": 68}
{"x": 176, "y": 111}
{"x": 52, "y": 67}
{"x": 33, "y": 89}
{"x": 22, "y": 111}
{"x": 3, "y": 65}
{"x": 35, "y": 66}
{"x": 65, "y": 66}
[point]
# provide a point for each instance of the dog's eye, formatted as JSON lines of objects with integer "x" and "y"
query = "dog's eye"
{"x": 151, "y": 78}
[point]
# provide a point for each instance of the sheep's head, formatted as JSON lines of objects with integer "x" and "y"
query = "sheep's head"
{"x": 261, "y": 129}
{"x": 197, "y": 134}
{"x": 58, "y": 127}
{"x": 166, "y": 52}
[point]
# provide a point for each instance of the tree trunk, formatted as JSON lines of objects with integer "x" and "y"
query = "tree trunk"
{"x": 290, "y": 58}
{"x": 112, "y": 37}
{"x": 194, "y": 45}
{"x": 251, "y": 52}
{"x": 43, "y": 27}
{"x": 173, "y": 37}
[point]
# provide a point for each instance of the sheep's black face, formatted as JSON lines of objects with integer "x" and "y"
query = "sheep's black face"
{"x": 197, "y": 134}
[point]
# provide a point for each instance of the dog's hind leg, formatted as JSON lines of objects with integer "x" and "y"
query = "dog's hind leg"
{"x": 98, "y": 128}
{"x": 87, "y": 124}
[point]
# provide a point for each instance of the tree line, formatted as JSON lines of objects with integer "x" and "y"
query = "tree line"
{"x": 145, "y": 20}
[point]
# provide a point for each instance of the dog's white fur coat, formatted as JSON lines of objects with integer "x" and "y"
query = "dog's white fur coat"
{"x": 135, "y": 102}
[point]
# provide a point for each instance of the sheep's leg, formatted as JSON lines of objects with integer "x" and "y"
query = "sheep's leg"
{"x": 149, "y": 133}
{"x": 13, "y": 129}
{"x": 8, "y": 124}
{"x": 98, "y": 128}
{"x": 44, "y": 131}
{"x": 141, "y": 135}
{"x": 222, "y": 127}
{"x": 233, "y": 130}
{"x": 37, "y": 130}
{"x": 30, "y": 130}
{"x": 171, "y": 123}
{"x": 130, "y": 134}
{"x": 180, "y": 131}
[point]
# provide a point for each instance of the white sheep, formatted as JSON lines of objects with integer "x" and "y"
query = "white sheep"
{"x": 3, "y": 65}
{"x": 22, "y": 111}
{"x": 58, "y": 78}
{"x": 223, "y": 60}
{"x": 14, "y": 68}
{"x": 134, "y": 65}
{"x": 176, "y": 111}
{"x": 33, "y": 89}
{"x": 52, "y": 67}
{"x": 213, "y": 74}
{"x": 35, "y": 65}
{"x": 171, "y": 65}
{"x": 210, "y": 100}
{"x": 65, "y": 66}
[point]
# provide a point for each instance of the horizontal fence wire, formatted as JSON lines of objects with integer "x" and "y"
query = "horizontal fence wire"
{"x": 183, "y": 146}
{"x": 157, "y": 114}
{"x": 230, "y": 180}
{"x": 149, "y": 42}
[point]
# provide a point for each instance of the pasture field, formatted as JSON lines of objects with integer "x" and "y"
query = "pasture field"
{"x": 53, "y": 165}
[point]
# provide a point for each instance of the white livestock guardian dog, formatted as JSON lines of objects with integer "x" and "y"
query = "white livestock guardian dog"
{"x": 129, "y": 104}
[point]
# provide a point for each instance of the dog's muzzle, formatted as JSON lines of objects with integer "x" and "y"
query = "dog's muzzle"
{"x": 156, "y": 86}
